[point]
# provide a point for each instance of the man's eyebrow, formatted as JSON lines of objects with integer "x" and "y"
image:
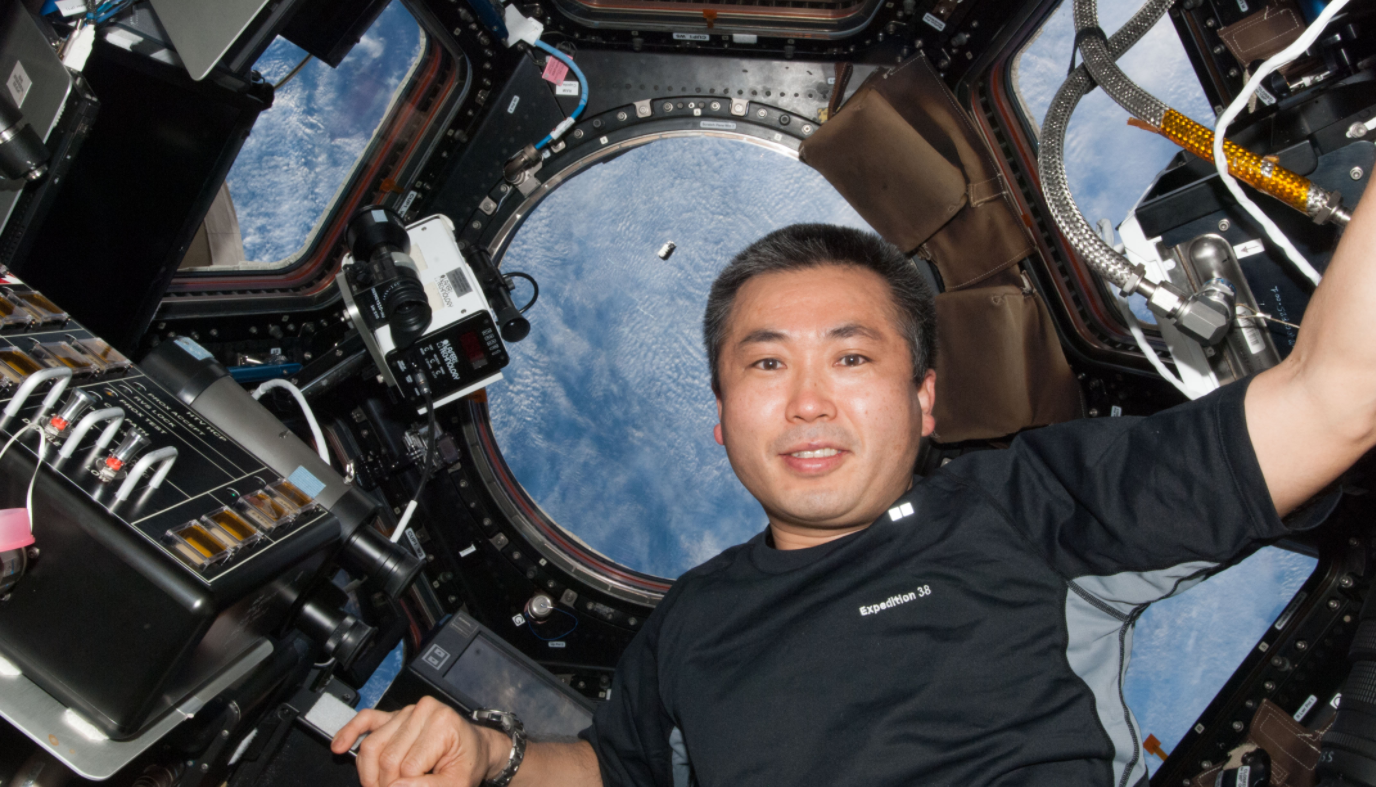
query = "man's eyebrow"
{"x": 853, "y": 329}
{"x": 761, "y": 336}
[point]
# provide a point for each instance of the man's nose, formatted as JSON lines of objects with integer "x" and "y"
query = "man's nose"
{"x": 810, "y": 396}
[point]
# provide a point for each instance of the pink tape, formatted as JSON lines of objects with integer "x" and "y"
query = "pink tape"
{"x": 14, "y": 529}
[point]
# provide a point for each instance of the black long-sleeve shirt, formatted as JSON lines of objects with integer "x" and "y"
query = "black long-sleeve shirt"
{"x": 976, "y": 634}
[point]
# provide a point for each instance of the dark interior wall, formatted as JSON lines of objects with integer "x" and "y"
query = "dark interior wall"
{"x": 139, "y": 189}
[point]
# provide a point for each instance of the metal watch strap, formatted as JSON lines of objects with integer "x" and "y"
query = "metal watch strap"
{"x": 506, "y": 722}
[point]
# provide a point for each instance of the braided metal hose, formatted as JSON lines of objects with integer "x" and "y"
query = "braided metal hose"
{"x": 1102, "y": 66}
{"x": 1051, "y": 158}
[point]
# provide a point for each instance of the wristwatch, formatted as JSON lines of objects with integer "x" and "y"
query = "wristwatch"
{"x": 508, "y": 723}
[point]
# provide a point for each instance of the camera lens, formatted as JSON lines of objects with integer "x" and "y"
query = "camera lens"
{"x": 407, "y": 308}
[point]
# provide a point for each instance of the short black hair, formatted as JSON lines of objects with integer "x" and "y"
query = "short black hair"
{"x": 802, "y": 246}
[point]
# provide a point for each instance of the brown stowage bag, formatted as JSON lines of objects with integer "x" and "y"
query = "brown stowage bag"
{"x": 907, "y": 158}
{"x": 1294, "y": 748}
{"x": 995, "y": 373}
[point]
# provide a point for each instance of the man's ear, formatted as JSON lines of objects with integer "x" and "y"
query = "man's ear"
{"x": 716, "y": 430}
{"x": 926, "y": 397}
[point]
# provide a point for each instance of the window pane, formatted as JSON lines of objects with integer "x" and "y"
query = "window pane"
{"x": 606, "y": 413}
{"x": 1109, "y": 163}
{"x": 303, "y": 149}
{"x": 1185, "y": 648}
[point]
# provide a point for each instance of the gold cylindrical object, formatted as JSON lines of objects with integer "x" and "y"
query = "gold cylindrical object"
{"x": 1294, "y": 190}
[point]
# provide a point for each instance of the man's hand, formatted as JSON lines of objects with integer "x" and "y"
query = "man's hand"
{"x": 423, "y": 745}
{"x": 1314, "y": 415}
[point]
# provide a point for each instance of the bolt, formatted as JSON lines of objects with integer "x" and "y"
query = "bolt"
{"x": 1356, "y": 131}
{"x": 807, "y": 128}
{"x": 1269, "y": 685}
{"x": 1354, "y": 542}
{"x": 224, "y": 733}
{"x": 1223, "y": 225}
{"x": 1238, "y": 726}
{"x": 716, "y": 105}
{"x": 477, "y": 225}
{"x": 762, "y": 114}
{"x": 578, "y": 133}
{"x": 1345, "y": 582}
{"x": 1093, "y": 412}
{"x": 621, "y": 116}
{"x": 205, "y": 766}
{"x": 1355, "y": 173}
{"x": 668, "y": 106}
{"x": 1302, "y": 645}
{"x": 1333, "y": 603}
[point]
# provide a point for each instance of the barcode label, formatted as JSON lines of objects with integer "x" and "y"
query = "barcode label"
{"x": 459, "y": 282}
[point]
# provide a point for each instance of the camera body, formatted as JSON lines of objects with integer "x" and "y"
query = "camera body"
{"x": 419, "y": 306}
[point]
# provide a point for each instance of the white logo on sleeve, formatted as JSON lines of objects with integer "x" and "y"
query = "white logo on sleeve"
{"x": 895, "y": 600}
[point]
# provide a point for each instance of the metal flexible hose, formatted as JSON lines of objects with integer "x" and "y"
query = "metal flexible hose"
{"x": 1102, "y": 66}
{"x": 1051, "y": 159}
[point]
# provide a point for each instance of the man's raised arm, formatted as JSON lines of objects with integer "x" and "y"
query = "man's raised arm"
{"x": 1314, "y": 415}
{"x": 430, "y": 745}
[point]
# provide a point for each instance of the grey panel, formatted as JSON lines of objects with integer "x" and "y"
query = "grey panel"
{"x": 22, "y": 45}
{"x": 203, "y": 30}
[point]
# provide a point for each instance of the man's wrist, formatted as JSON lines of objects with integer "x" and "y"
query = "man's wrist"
{"x": 498, "y": 748}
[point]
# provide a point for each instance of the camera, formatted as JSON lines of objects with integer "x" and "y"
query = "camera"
{"x": 421, "y": 308}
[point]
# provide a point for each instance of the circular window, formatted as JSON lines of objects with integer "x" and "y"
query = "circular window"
{"x": 605, "y": 415}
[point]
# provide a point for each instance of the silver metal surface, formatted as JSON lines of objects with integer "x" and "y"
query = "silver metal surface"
{"x": 204, "y": 31}
{"x": 49, "y": 724}
{"x": 1051, "y": 161}
{"x": 23, "y": 44}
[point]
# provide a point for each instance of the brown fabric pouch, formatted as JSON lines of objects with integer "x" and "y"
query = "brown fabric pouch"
{"x": 969, "y": 245}
{"x": 1264, "y": 33}
{"x": 1294, "y": 748}
{"x": 999, "y": 365}
{"x": 893, "y": 177}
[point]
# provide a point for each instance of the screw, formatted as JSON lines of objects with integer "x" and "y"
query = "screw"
{"x": 1333, "y": 603}
{"x": 716, "y": 105}
{"x": 1356, "y": 131}
{"x": 1354, "y": 542}
{"x": 1093, "y": 412}
{"x": 668, "y": 106}
{"x": 621, "y": 116}
{"x": 1223, "y": 225}
{"x": 1345, "y": 582}
{"x": 1269, "y": 685}
{"x": 477, "y": 225}
{"x": 205, "y": 766}
{"x": 1238, "y": 726}
{"x": 1302, "y": 645}
{"x": 1355, "y": 173}
{"x": 578, "y": 133}
{"x": 807, "y": 129}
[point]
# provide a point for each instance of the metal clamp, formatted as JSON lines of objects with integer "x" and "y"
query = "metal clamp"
{"x": 62, "y": 375}
{"x": 166, "y": 456}
{"x": 115, "y": 415}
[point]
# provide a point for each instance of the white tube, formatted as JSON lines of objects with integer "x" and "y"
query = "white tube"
{"x": 1286, "y": 55}
{"x": 62, "y": 374}
{"x": 166, "y": 456}
{"x": 114, "y": 415}
{"x": 318, "y": 435}
{"x": 1155, "y": 360}
{"x": 403, "y": 522}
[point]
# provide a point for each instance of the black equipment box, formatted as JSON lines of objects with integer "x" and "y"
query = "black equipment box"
{"x": 470, "y": 667}
{"x": 131, "y": 605}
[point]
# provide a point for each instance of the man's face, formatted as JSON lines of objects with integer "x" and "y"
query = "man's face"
{"x": 819, "y": 412}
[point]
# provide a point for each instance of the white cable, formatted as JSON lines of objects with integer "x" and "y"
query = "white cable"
{"x": 1155, "y": 360}
{"x": 305, "y": 408}
{"x": 42, "y": 449}
{"x": 403, "y": 522}
{"x": 1286, "y": 55}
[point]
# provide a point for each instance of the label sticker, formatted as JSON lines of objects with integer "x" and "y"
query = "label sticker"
{"x": 558, "y": 643}
{"x": 468, "y": 550}
{"x": 511, "y": 108}
{"x": 1243, "y": 7}
{"x": 518, "y": 619}
{"x": 196, "y": 351}
{"x": 719, "y": 125}
{"x": 19, "y": 84}
{"x": 555, "y": 71}
{"x": 934, "y": 22}
{"x": 415, "y": 543}
{"x": 692, "y": 37}
{"x": 436, "y": 657}
{"x": 1115, "y": 411}
{"x": 406, "y": 203}
{"x": 1265, "y": 96}
{"x": 303, "y": 479}
{"x": 1248, "y": 249}
{"x": 1252, "y": 334}
{"x": 1306, "y": 707}
{"x": 1244, "y": 774}
{"x": 567, "y": 88}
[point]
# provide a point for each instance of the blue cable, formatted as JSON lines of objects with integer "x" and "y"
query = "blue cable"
{"x": 582, "y": 87}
